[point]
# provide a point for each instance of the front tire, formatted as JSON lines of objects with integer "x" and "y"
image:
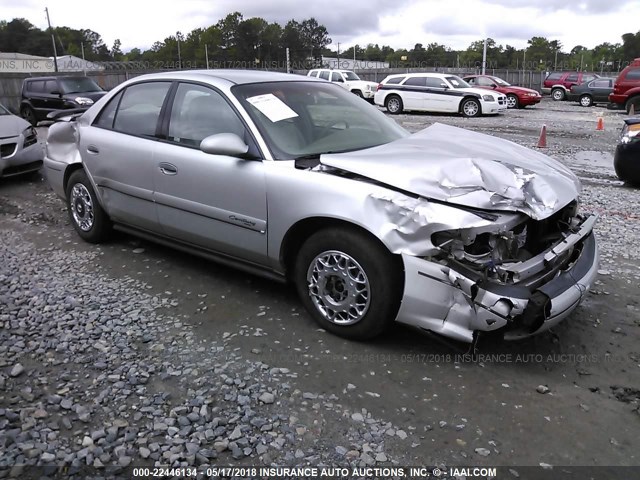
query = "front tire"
{"x": 512, "y": 101}
{"x": 357, "y": 93}
{"x": 86, "y": 215}
{"x": 470, "y": 107}
{"x": 586, "y": 100}
{"x": 350, "y": 284}
{"x": 558, "y": 94}
{"x": 393, "y": 104}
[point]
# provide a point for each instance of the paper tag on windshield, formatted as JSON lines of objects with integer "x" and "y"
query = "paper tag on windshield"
{"x": 272, "y": 107}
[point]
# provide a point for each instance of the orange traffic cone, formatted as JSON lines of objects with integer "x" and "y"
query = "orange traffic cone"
{"x": 542, "y": 141}
{"x": 632, "y": 110}
{"x": 600, "y": 124}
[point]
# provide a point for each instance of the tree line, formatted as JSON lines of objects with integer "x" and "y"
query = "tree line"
{"x": 255, "y": 41}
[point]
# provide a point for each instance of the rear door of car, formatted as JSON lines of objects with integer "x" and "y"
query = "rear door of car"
{"x": 118, "y": 152}
{"x": 600, "y": 88}
{"x": 414, "y": 93}
{"x": 218, "y": 202}
{"x": 34, "y": 93}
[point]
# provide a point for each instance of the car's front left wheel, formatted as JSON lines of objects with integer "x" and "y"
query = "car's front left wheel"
{"x": 470, "y": 108}
{"x": 512, "y": 101}
{"x": 87, "y": 216}
{"x": 349, "y": 282}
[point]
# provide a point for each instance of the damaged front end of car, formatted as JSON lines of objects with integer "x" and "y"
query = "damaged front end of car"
{"x": 489, "y": 232}
{"x": 469, "y": 271}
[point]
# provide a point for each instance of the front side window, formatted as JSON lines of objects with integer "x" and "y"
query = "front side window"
{"x": 484, "y": 82}
{"x": 51, "y": 86}
{"x": 573, "y": 77}
{"x": 337, "y": 77}
{"x": 351, "y": 76}
{"x": 198, "y": 112}
{"x": 140, "y": 107}
{"x": 434, "y": 82}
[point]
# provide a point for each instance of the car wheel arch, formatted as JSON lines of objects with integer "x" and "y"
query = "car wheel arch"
{"x": 471, "y": 97}
{"x": 302, "y": 230}
{"x": 70, "y": 170}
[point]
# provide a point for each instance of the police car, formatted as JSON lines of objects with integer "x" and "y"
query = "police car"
{"x": 436, "y": 92}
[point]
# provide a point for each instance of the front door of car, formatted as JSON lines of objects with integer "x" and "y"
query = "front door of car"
{"x": 439, "y": 96}
{"x": 600, "y": 89}
{"x": 118, "y": 152}
{"x": 213, "y": 201}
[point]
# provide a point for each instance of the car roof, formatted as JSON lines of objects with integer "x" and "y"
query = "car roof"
{"x": 237, "y": 77}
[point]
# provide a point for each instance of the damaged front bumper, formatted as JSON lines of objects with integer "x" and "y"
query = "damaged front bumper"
{"x": 458, "y": 303}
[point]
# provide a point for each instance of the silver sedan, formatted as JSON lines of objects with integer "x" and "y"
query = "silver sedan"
{"x": 20, "y": 151}
{"x": 296, "y": 179}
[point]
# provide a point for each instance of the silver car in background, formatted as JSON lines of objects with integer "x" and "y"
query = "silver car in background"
{"x": 296, "y": 179}
{"x": 20, "y": 151}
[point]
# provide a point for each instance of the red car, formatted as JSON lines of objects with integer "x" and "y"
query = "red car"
{"x": 626, "y": 90}
{"x": 517, "y": 97}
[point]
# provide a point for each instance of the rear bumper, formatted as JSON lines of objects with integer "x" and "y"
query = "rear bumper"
{"x": 618, "y": 98}
{"x": 442, "y": 300}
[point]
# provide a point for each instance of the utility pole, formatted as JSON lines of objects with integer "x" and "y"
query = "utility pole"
{"x": 338, "y": 54}
{"x": 206, "y": 54}
{"x": 178, "y": 35}
{"x": 354, "y": 57}
{"x": 288, "y": 61}
{"x": 84, "y": 63}
{"x": 53, "y": 41}
{"x": 484, "y": 57}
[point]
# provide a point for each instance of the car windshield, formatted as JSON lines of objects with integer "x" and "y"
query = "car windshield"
{"x": 307, "y": 119}
{"x": 350, "y": 76}
{"x": 79, "y": 85}
{"x": 457, "y": 82}
{"x": 4, "y": 111}
{"x": 500, "y": 82}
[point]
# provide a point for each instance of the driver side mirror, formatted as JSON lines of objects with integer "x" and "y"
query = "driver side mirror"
{"x": 228, "y": 144}
{"x": 55, "y": 92}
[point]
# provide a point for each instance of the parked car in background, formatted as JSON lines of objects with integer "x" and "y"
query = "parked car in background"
{"x": 626, "y": 89}
{"x": 348, "y": 80}
{"x": 448, "y": 230}
{"x": 437, "y": 92}
{"x": 517, "y": 97}
{"x": 43, "y": 95}
{"x": 20, "y": 151}
{"x": 558, "y": 84}
{"x": 595, "y": 91}
{"x": 626, "y": 160}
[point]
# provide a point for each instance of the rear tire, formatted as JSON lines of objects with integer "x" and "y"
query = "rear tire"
{"x": 29, "y": 115}
{"x": 393, "y": 104}
{"x": 349, "y": 283}
{"x": 86, "y": 215}
{"x": 635, "y": 101}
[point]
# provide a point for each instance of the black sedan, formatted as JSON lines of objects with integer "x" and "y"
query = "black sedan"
{"x": 595, "y": 91}
{"x": 627, "y": 158}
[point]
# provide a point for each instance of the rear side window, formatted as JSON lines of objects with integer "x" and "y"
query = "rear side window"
{"x": 140, "y": 107}
{"x": 600, "y": 83}
{"x": 108, "y": 113}
{"x": 37, "y": 86}
{"x": 554, "y": 76}
{"x": 313, "y": 73}
{"x": 394, "y": 80}
{"x": 416, "y": 81}
{"x": 633, "y": 74}
{"x": 324, "y": 75}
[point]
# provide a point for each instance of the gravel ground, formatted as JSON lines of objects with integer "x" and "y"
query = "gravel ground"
{"x": 131, "y": 354}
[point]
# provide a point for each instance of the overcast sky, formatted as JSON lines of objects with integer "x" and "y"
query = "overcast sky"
{"x": 399, "y": 23}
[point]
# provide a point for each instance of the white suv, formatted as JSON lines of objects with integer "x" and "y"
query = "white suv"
{"x": 437, "y": 92}
{"x": 346, "y": 79}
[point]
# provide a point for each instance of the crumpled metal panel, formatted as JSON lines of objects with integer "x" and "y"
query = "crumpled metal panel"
{"x": 62, "y": 143}
{"x": 466, "y": 168}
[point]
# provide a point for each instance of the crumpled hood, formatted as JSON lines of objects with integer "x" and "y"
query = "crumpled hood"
{"x": 12, "y": 125}
{"x": 462, "y": 167}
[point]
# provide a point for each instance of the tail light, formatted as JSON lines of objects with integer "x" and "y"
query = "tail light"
{"x": 379, "y": 87}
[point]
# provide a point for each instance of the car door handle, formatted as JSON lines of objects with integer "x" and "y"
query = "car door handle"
{"x": 93, "y": 149}
{"x": 168, "y": 168}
